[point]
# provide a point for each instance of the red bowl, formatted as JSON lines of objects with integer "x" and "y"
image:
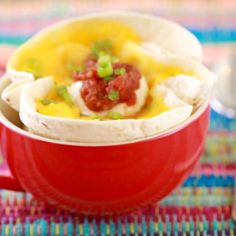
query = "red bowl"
{"x": 111, "y": 178}
{"x": 100, "y": 179}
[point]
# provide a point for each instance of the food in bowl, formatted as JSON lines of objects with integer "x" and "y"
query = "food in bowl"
{"x": 104, "y": 80}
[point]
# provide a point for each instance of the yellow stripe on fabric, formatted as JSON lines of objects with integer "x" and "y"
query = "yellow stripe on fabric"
{"x": 132, "y": 228}
{"x": 201, "y": 226}
{"x": 31, "y": 229}
{"x": 57, "y": 229}
{"x": 7, "y": 230}
{"x": 156, "y": 227}
{"x": 81, "y": 229}
{"x": 108, "y": 229}
{"x": 187, "y": 227}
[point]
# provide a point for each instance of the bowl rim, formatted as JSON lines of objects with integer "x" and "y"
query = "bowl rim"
{"x": 6, "y": 123}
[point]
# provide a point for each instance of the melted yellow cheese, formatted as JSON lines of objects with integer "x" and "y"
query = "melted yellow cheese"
{"x": 154, "y": 108}
{"x": 153, "y": 71}
{"x": 60, "y": 109}
{"x": 48, "y": 54}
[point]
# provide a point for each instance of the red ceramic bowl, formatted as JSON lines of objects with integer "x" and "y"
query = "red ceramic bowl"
{"x": 111, "y": 178}
{"x": 100, "y": 179}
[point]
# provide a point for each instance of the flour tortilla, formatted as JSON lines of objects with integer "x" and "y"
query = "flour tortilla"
{"x": 95, "y": 131}
{"x": 11, "y": 95}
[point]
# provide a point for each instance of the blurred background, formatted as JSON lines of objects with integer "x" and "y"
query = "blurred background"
{"x": 212, "y": 21}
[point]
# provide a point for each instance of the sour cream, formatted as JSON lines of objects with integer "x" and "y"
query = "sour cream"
{"x": 121, "y": 108}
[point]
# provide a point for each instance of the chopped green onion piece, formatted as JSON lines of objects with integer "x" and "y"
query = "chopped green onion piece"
{"x": 62, "y": 92}
{"x": 33, "y": 66}
{"x": 108, "y": 78}
{"x": 113, "y": 95}
{"x": 114, "y": 115}
{"x": 104, "y": 66}
{"x": 102, "y": 45}
{"x": 104, "y": 60}
{"x": 120, "y": 71}
{"x": 47, "y": 101}
{"x": 73, "y": 68}
{"x": 68, "y": 80}
{"x": 95, "y": 117}
{"x": 114, "y": 59}
{"x": 104, "y": 72}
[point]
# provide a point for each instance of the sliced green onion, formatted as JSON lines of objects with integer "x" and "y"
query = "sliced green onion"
{"x": 101, "y": 45}
{"x": 108, "y": 78}
{"x": 73, "y": 68}
{"x": 62, "y": 92}
{"x": 114, "y": 59}
{"x": 104, "y": 66}
{"x": 114, "y": 115}
{"x": 68, "y": 80}
{"x": 104, "y": 60}
{"x": 113, "y": 95}
{"x": 47, "y": 101}
{"x": 33, "y": 66}
{"x": 104, "y": 72}
{"x": 95, "y": 117}
{"x": 120, "y": 71}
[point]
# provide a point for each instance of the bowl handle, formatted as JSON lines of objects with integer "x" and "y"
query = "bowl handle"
{"x": 7, "y": 181}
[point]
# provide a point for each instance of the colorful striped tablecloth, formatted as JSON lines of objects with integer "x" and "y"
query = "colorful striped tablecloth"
{"x": 202, "y": 205}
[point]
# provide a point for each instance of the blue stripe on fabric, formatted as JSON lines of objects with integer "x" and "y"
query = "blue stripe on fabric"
{"x": 44, "y": 227}
{"x": 10, "y": 226}
{"x": 52, "y": 228}
{"x": 220, "y": 122}
{"x": 3, "y": 226}
{"x": 19, "y": 230}
{"x": 13, "y": 40}
{"x": 27, "y": 227}
{"x": 151, "y": 226}
{"x": 144, "y": 225}
{"x": 86, "y": 227}
{"x": 209, "y": 181}
{"x": 214, "y": 35}
{"x": 112, "y": 228}
{"x": 69, "y": 227}
{"x": 119, "y": 227}
{"x": 103, "y": 228}
{"x": 35, "y": 226}
{"x": 211, "y": 35}
{"x": 95, "y": 228}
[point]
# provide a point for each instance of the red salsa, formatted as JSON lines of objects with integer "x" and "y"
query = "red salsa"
{"x": 100, "y": 94}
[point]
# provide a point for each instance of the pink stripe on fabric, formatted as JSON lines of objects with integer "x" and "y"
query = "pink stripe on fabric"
{"x": 194, "y": 7}
{"x": 31, "y": 25}
{"x": 27, "y": 27}
{"x": 216, "y": 169}
{"x": 5, "y": 53}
